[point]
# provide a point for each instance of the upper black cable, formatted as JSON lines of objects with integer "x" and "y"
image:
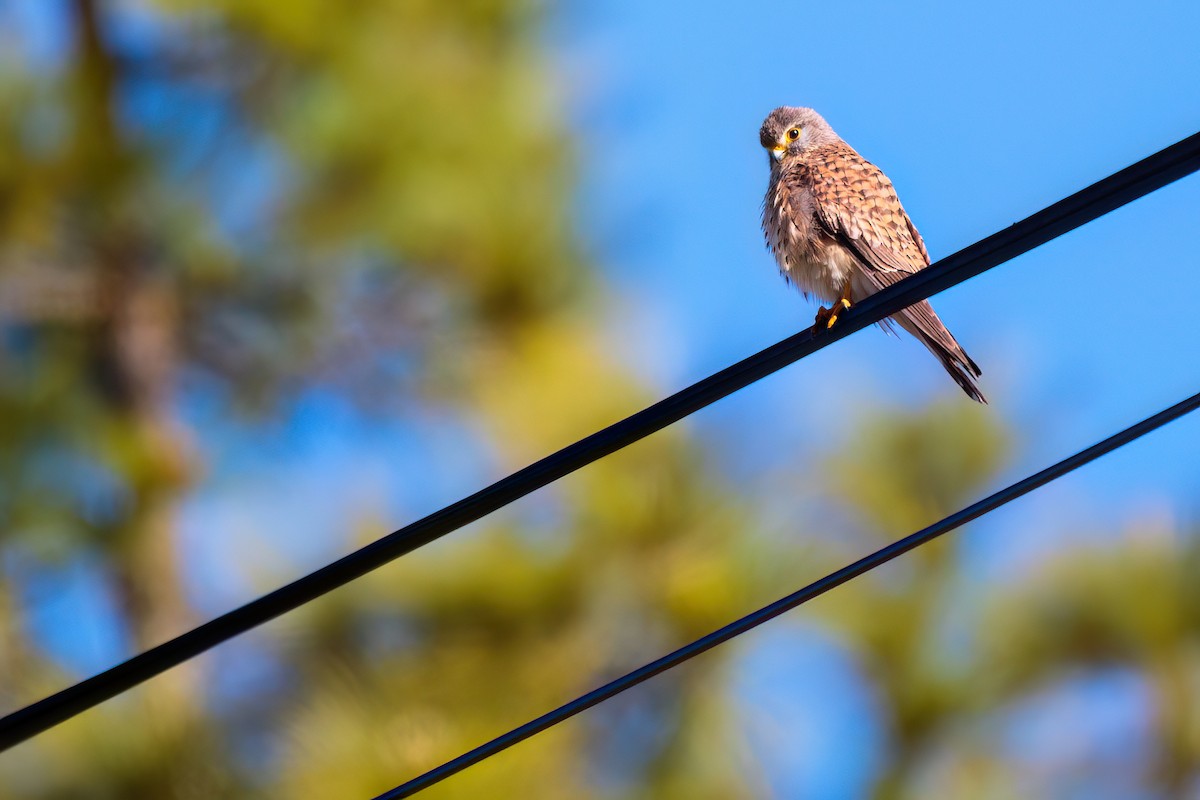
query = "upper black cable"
{"x": 750, "y": 621}
{"x": 1135, "y": 181}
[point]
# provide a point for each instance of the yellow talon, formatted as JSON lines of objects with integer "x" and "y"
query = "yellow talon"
{"x": 826, "y": 317}
{"x": 835, "y": 311}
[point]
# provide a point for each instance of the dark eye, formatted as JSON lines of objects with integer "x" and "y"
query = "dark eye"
{"x": 794, "y": 134}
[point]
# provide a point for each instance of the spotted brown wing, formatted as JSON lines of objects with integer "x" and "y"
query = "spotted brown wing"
{"x": 857, "y": 205}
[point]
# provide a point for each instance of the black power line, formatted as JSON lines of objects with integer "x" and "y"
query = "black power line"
{"x": 1137, "y": 180}
{"x": 751, "y": 621}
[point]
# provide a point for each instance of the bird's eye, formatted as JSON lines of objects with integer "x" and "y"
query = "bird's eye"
{"x": 794, "y": 134}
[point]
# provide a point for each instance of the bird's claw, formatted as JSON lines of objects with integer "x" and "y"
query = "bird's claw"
{"x": 826, "y": 317}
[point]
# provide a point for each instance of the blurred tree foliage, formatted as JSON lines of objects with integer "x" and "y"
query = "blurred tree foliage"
{"x": 375, "y": 197}
{"x": 951, "y": 661}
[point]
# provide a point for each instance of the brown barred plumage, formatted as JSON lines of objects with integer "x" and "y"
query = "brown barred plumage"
{"x": 837, "y": 229}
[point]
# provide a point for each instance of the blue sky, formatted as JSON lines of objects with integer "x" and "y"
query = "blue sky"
{"x": 981, "y": 114}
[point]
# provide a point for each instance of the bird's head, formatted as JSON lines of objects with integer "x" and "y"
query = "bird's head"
{"x": 789, "y": 131}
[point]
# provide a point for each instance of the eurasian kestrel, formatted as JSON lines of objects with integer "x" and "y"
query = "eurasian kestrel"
{"x": 838, "y": 231}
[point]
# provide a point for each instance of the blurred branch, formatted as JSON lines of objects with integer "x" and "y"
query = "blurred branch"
{"x": 38, "y": 294}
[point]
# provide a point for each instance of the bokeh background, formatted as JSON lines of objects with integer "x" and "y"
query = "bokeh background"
{"x": 277, "y": 278}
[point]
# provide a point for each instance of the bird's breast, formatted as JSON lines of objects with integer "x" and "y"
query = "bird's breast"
{"x": 807, "y": 256}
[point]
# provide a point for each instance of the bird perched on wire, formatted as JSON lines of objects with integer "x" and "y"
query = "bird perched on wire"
{"x": 838, "y": 231}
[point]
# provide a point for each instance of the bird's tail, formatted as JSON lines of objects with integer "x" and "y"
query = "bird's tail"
{"x": 921, "y": 321}
{"x": 962, "y": 369}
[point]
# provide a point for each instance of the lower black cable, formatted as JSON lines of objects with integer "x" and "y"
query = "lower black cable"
{"x": 751, "y": 621}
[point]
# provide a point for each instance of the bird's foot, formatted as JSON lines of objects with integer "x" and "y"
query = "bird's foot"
{"x": 826, "y": 317}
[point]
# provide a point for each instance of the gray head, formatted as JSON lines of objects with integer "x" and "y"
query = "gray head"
{"x": 791, "y": 131}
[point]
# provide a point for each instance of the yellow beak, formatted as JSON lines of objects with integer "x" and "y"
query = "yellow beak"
{"x": 778, "y": 150}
